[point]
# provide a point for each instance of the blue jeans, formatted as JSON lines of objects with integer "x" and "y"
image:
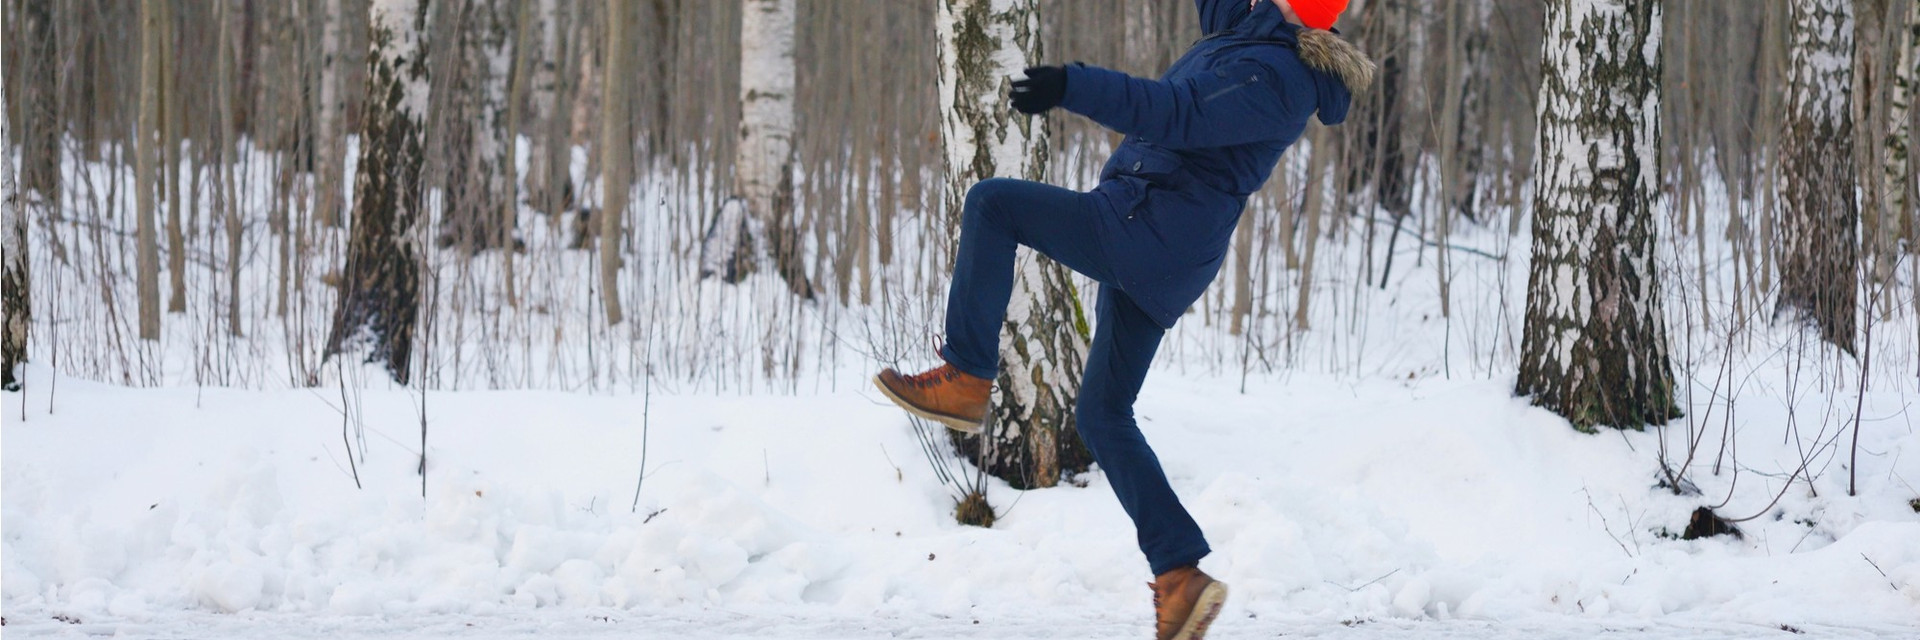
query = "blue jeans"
{"x": 1077, "y": 230}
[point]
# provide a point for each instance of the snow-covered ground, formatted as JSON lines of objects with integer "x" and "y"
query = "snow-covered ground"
{"x": 1370, "y": 477}
{"x": 1380, "y": 507}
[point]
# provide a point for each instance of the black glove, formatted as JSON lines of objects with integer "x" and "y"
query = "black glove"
{"x": 1042, "y": 89}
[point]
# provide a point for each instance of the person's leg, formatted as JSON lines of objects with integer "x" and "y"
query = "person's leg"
{"x": 1124, "y": 341}
{"x": 1000, "y": 214}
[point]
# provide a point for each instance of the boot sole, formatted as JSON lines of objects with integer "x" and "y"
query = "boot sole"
{"x": 1205, "y": 609}
{"x": 955, "y": 423}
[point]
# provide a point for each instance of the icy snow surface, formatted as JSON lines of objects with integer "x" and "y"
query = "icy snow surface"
{"x": 1372, "y": 508}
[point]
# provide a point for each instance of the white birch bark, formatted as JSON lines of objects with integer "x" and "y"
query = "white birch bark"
{"x": 1898, "y": 168}
{"x": 379, "y": 293}
{"x": 982, "y": 45}
{"x": 1818, "y": 243}
{"x": 1595, "y": 348}
{"x": 478, "y": 214}
{"x": 765, "y": 156}
{"x": 15, "y": 295}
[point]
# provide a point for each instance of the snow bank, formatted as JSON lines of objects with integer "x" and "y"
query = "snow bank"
{"x": 1325, "y": 501}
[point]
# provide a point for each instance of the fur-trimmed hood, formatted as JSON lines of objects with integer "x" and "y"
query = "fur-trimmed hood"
{"x": 1327, "y": 52}
{"x": 1338, "y": 68}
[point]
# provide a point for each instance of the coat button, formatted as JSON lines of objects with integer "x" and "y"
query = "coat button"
{"x": 1136, "y": 166}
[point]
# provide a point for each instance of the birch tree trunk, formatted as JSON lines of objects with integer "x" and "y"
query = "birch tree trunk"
{"x": 1871, "y": 112}
{"x": 1818, "y": 245}
{"x": 616, "y": 153}
{"x": 330, "y": 143}
{"x": 764, "y": 159}
{"x": 477, "y": 177}
{"x": 380, "y": 289}
{"x": 146, "y": 153}
{"x": 1898, "y": 168}
{"x": 549, "y": 187}
{"x": 1030, "y": 439}
{"x": 1595, "y": 346}
{"x": 36, "y": 194}
{"x": 15, "y": 295}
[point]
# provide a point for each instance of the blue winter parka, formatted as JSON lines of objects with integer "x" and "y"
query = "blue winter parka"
{"x": 1198, "y": 141}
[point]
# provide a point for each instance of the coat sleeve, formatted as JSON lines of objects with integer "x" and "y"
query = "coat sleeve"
{"x": 1218, "y": 14}
{"x": 1236, "y": 103}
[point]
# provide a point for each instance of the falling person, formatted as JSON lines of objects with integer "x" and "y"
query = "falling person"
{"x": 1153, "y": 233}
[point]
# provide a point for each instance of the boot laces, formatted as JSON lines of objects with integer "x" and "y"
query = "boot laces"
{"x": 938, "y": 375}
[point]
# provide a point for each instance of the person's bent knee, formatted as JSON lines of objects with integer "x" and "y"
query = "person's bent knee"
{"x": 986, "y": 198}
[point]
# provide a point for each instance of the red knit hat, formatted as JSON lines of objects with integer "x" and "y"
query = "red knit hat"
{"x": 1318, "y": 14}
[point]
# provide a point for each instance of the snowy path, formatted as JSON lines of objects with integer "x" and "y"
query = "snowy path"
{"x": 720, "y": 625}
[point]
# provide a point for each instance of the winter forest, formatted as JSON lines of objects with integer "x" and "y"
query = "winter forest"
{"x": 402, "y": 318}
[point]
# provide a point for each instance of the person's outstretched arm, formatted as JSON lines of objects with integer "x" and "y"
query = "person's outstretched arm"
{"x": 1239, "y": 102}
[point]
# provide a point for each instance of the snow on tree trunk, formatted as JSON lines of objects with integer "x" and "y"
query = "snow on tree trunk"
{"x": 1818, "y": 245}
{"x": 380, "y": 290}
{"x": 146, "y": 153}
{"x": 1030, "y": 437}
{"x": 1595, "y": 346}
{"x": 14, "y": 293}
{"x": 764, "y": 159}
{"x": 616, "y": 154}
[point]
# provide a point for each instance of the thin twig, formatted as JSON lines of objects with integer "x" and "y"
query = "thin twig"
{"x": 1368, "y": 584}
{"x": 1883, "y": 572}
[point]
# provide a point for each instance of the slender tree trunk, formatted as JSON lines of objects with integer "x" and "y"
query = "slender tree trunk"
{"x": 34, "y": 87}
{"x": 1451, "y": 115}
{"x": 1471, "y": 138}
{"x": 147, "y": 154}
{"x": 1243, "y": 271}
{"x": 16, "y": 296}
{"x": 229, "y": 190}
{"x": 1595, "y": 348}
{"x": 478, "y": 171}
{"x": 170, "y": 138}
{"x": 765, "y": 156}
{"x": 1324, "y": 153}
{"x": 549, "y": 187}
{"x": 509, "y": 205}
{"x": 1818, "y": 244}
{"x": 1898, "y": 168}
{"x": 616, "y": 151}
{"x": 380, "y": 289}
{"x": 330, "y": 144}
{"x": 1879, "y": 215}
{"x": 1030, "y": 438}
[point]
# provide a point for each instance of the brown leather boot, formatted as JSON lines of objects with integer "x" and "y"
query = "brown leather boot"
{"x": 1185, "y": 601}
{"x": 943, "y": 394}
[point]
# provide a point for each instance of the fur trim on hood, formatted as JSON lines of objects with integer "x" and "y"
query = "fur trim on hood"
{"x": 1325, "y": 51}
